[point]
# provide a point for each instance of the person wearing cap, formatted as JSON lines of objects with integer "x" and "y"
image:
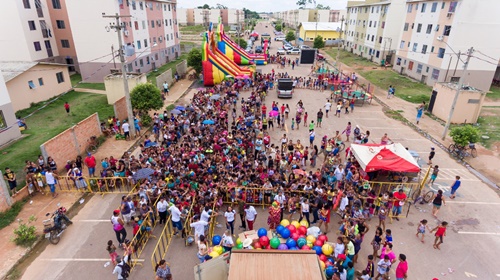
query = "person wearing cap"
{"x": 274, "y": 215}
{"x": 281, "y": 199}
{"x": 399, "y": 201}
{"x": 90, "y": 162}
{"x": 119, "y": 266}
{"x": 431, "y": 155}
{"x": 118, "y": 227}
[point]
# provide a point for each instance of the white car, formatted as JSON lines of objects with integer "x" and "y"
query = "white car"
{"x": 293, "y": 51}
{"x": 281, "y": 51}
{"x": 287, "y": 47}
{"x": 304, "y": 47}
{"x": 279, "y": 38}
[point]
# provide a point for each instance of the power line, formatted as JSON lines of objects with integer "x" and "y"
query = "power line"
{"x": 488, "y": 56}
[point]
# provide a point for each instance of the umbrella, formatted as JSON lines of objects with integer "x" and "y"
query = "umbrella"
{"x": 175, "y": 112}
{"x": 180, "y": 108}
{"x": 208, "y": 122}
{"x": 143, "y": 173}
{"x": 215, "y": 97}
{"x": 299, "y": 172}
{"x": 273, "y": 113}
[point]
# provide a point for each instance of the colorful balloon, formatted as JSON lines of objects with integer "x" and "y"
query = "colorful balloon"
{"x": 285, "y": 222}
{"x": 238, "y": 241}
{"x": 329, "y": 271}
{"x": 301, "y": 242}
{"x": 291, "y": 243}
{"x": 318, "y": 243}
{"x": 318, "y": 250}
{"x": 302, "y": 230}
{"x": 311, "y": 238}
{"x": 292, "y": 228}
{"x": 257, "y": 245}
{"x": 262, "y": 232}
{"x": 218, "y": 249}
{"x": 323, "y": 238}
{"x": 305, "y": 248}
{"x": 327, "y": 249}
{"x": 213, "y": 254}
{"x": 295, "y": 224}
{"x": 239, "y": 246}
{"x": 294, "y": 236}
{"x": 282, "y": 247}
{"x": 216, "y": 240}
{"x": 285, "y": 233}
{"x": 304, "y": 223}
{"x": 264, "y": 240}
{"x": 275, "y": 242}
{"x": 279, "y": 228}
{"x": 322, "y": 264}
{"x": 323, "y": 258}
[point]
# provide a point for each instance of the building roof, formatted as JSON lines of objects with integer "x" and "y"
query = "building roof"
{"x": 12, "y": 69}
{"x": 323, "y": 26}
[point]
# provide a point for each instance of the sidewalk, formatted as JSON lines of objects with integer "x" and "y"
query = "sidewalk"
{"x": 39, "y": 205}
{"x": 485, "y": 165}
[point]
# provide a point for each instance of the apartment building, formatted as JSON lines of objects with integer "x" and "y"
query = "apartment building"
{"x": 434, "y": 32}
{"x": 9, "y": 130}
{"x": 150, "y": 37}
{"x": 372, "y": 28}
{"x": 293, "y": 18}
{"x": 205, "y": 16}
{"x": 31, "y": 30}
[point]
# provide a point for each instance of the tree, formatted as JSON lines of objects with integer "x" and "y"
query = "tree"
{"x": 463, "y": 135}
{"x": 290, "y": 36}
{"x": 194, "y": 60}
{"x": 241, "y": 42}
{"x": 318, "y": 42}
{"x": 220, "y": 6}
{"x": 302, "y": 3}
{"x": 145, "y": 97}
{"x": 321, "y": 7}
{"x": 278, "y": 27}
{"x": 206, "y": 6}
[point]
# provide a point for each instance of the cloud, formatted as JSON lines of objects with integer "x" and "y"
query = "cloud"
{"x": 260, "y": 5}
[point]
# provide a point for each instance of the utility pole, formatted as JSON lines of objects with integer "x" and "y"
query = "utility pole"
{"x": 119, "y": 27}
{"x": 338, "y": 43}
{"x": 459, "y": 88}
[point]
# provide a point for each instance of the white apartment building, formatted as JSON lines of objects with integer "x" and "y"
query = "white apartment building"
{"x": 151, "y": 37}
{"x": 433, "y": 32}
{"x": 372, "y": 28}
{"x": 205, "y": 16}
{"x": 9, "y": 130}
{"x": 293, "y": 18}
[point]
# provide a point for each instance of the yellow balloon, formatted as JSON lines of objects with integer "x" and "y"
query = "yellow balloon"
{"x": 309, "y": 243}
{"x": 213, "y": 254}
{"x": 304, "y": 223}
{"x": 311, "y": 238}
{"x": 327, "y": 249}
{"x": 218, "y": 249}
{"x": 285, "y": 222}
{"x": 238, "y": 241}
{"x": 322, "y": 264}
{"x": 296, "y": 224}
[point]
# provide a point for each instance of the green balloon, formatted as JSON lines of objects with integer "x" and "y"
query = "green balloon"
{"x": 239, "y": 246}
{"x": 275, "y": 242}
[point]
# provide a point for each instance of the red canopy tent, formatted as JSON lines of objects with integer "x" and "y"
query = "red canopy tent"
{"x": 392, "y": 157}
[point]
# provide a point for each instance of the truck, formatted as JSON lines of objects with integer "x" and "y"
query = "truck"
{"x": 284, "y": 88}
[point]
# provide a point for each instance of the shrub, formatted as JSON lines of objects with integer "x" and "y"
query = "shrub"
{"x": 463, "y": 135}
{"x": 25, "y": 233}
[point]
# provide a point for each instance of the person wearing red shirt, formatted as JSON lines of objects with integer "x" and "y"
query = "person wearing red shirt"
{"x": 402, "y": 269}
{"x": 400, "y": 198}
{"x": 66, "y": 107}
{"x": 90, "y": 162}
{"x": 264, "y": 110}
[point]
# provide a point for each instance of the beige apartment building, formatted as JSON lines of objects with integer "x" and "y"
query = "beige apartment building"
{"x": 186, "y": 16}
{"x": 372, "y": 28}
{"x": 434, "y": 33}
{"x": 293, "y": 18}
{"x": 9, "y": 130}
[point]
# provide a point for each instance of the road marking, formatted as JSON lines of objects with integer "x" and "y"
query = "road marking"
{"x": 473, "y": 202}
{"x": 82, "y": 260}
{"x": 468, "y": 274}
{"x": 479, "y": 232}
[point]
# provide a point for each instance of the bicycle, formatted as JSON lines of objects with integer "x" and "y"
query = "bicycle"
{"x": 93, "y": 143}
{"x": 462, "y": 151}
{"x": 418, "y": 197}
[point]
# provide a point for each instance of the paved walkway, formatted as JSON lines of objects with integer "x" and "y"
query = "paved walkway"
{"x": 433, "y": 129}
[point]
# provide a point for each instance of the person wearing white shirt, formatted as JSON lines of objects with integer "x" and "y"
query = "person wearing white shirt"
{"x": 199, "y": 227}
{"x": 339, "y": 172}
{"x": 176, "y": 218}
{"x": 304, "y": 207}
{"x": 126, "y": 130}
{"x": 281, "y": 199}
{"x": 161, "y": 208}
{"x": 206, "y": 215}
{"x": 227, "y": 241}
{"x": 328, "y": 106}
{"x": 250, "y": 216}
{"x": 229, "y": 215}
{"x": 343, "y": 202}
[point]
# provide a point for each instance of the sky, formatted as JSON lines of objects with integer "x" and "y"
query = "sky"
{"x": 261, "y": 5}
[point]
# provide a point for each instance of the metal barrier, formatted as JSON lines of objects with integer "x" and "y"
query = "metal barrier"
{"x": 213, "y": 222}
{"x": 94, "y": 184}
{"x": 141, "y": 238}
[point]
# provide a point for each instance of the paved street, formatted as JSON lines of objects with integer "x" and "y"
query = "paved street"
{"x": 469, "y": 249}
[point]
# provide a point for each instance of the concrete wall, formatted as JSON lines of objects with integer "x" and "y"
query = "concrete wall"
{"x": 114, "y": 85}
{"x": 22, "y": 96}
{"x": 165, "y": 76}
{"x": 464, "y": 112}
{"x": 73, "y": 141}
{"x": 182, "y": 67}
{"x": 5, "y": 199}
{"x": 8, "y": 126}
{"x": 120, "y": 108}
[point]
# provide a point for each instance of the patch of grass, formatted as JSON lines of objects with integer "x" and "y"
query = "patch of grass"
{"x": 349, "y": 58}
{"x": 183, "y": 43}
{"x": 489, "y": 125}
{"x": 171, "y": 65}
{"x": 394, "y": 114}
{"x": 170, "y": 107}
{"x": 49, "y": 122}
{"x": 494, "y": 93}
{"x": 406, "y": 88}
{"x": 193, "y": 28}
{"x": 76, "y": 82}
{"x": 7, "y": 217}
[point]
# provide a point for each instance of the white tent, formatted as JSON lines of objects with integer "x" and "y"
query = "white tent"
{"x": 392, "y": 157}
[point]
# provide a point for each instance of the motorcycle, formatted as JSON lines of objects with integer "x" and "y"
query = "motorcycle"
{"x": 54, "y": 226}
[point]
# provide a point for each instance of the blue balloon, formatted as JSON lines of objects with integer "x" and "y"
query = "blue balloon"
{"x": 331, "y": 260}
{"x": 318, "y": 250}
{"x": 279, "y": 228}
{"x": 285, "y": 233}
{"x": 293, "y": 248}
{"x": 216, "y": 240}
{"x": 262, "y": 232}
{"x": 329, "y": 271}
{"x": 291, "y": 243}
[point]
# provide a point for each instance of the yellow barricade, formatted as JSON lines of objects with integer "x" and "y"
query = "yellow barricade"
{"x": 94, "y": 184}
{"x": 141, "y": 238}
{"x": 213, "y": 222}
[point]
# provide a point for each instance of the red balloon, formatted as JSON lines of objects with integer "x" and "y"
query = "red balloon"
{"x": 295, "y": 236}
{"x": 257, "y": 245}
{"x": 292, "y": 228}
{"x": 323, "y": 238}
{"x": 328, "y": 263}
{"x": 268, "y": 247}
{"x": 318, "y": 243}
{"x": 305, "y": 248}
{"x": 323, "y": 258}
{"x": 302, "y": 230}
{"x": 264, "y": 240}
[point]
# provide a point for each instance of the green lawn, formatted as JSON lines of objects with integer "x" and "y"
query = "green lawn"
{"x": 494, "y": 93}
{"x": 489, "y": 125}
{"x": 193, "y": 28}
{"x": 171, "y": 65}
{"x": 49, "y": 122}
{"x": 349, "y": 59}
{"x": 76, "y": 82}
{"x": 406, "y": 88}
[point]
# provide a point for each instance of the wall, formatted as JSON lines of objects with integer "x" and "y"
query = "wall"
{"x": 74, "y": 140}
{"x": 114, "y": 85}
{"x": 14, "y": 35}
{"x": 464, "y": 111}
{"x": 5, "y": 199}
{"x": 182, "y": 17}
{"x": 22, "y": 96}
{"x": 11, "y": 131}
{"x": 120, "y": 108}
{"x": 165, "y": 76}
{"x": 181, "y": 67}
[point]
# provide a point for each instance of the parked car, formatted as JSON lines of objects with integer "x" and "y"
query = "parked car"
{"x": 281, "y": 51}
{"x": 279, "y": 38}
{"x": 258, "y": 49}
{"x": 304, "y": 47}
{"x": 320, "y": 57}
{"x": 287, "y": 47}
{"x": 293, "y": 51}
{"x": 285, "y": 88}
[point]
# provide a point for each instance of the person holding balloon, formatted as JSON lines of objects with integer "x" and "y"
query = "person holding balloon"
{"x": 274, "y": 215}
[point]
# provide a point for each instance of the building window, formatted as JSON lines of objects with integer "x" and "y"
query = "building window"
{"x": 56, "y": 4}
{"x": 170, "y": 22}
{"x": 169, "y": 7}
{"x": 437, "y": 28}
{"x": 383, "y": 24}
{"x": 133, "y": 5}
{"x": 45, "y": 30}
{"x": 26, "y": 4}
{"x": 441, "y": 52}
{"x": 453, "y": 6}
{"x": 40, "y": 81}
{"x": 60, "y": 77}
{"x": 380, "y": 40}
{"x": 427, "y": 69}
{"x": 373, "y": 37}
{"x": 410, "y": 65}
{"x": 372, "y": 9}
{"x": 65, "y": 44}
{"x": 141, "y": 63}
{"x": 419, "y": 68}
{"x": 37, "y": 45}
{"x": 398, "y": 61}
{"x": 141, "y": 5}
{"x": 145, "y": 43}
{"x": 143, "y": 24}
{"x": 402, "y": 45}
{"x": 147, "y": 59}
{"x": 370, "y": 23}
{"x": 443, "y": 4}
{"x": 3, "y": 122}
{"x": 378, "y": 54}
{"x": 152, "y": 23}
{"x": 424, "y": 49}
{"x": 31, "y": 24}
{"x": 136, "y": 25}
{"x": 60, "y": 24}
{"x": 432, "y": 49}
{"x": 419, "y": 27}
{"x": 415, "y": 45}
{"x": 374, "y": 24}
{"x": 410, "y": 7}
{"x": 435, "y": 74}
{"x": 424, "y": 5}
{"x": 434, "y": 7}
{"x": 429, "y": 29}
{"x": 406, "y": 26}
{"x": 31, "y": 85}
{"x": 138, "y": 45}
{"x": 447, "y": 30}
{"x": 129, "y": 67}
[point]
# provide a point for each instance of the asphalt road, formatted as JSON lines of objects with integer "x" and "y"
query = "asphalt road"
{"x": 470, "y": 249}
